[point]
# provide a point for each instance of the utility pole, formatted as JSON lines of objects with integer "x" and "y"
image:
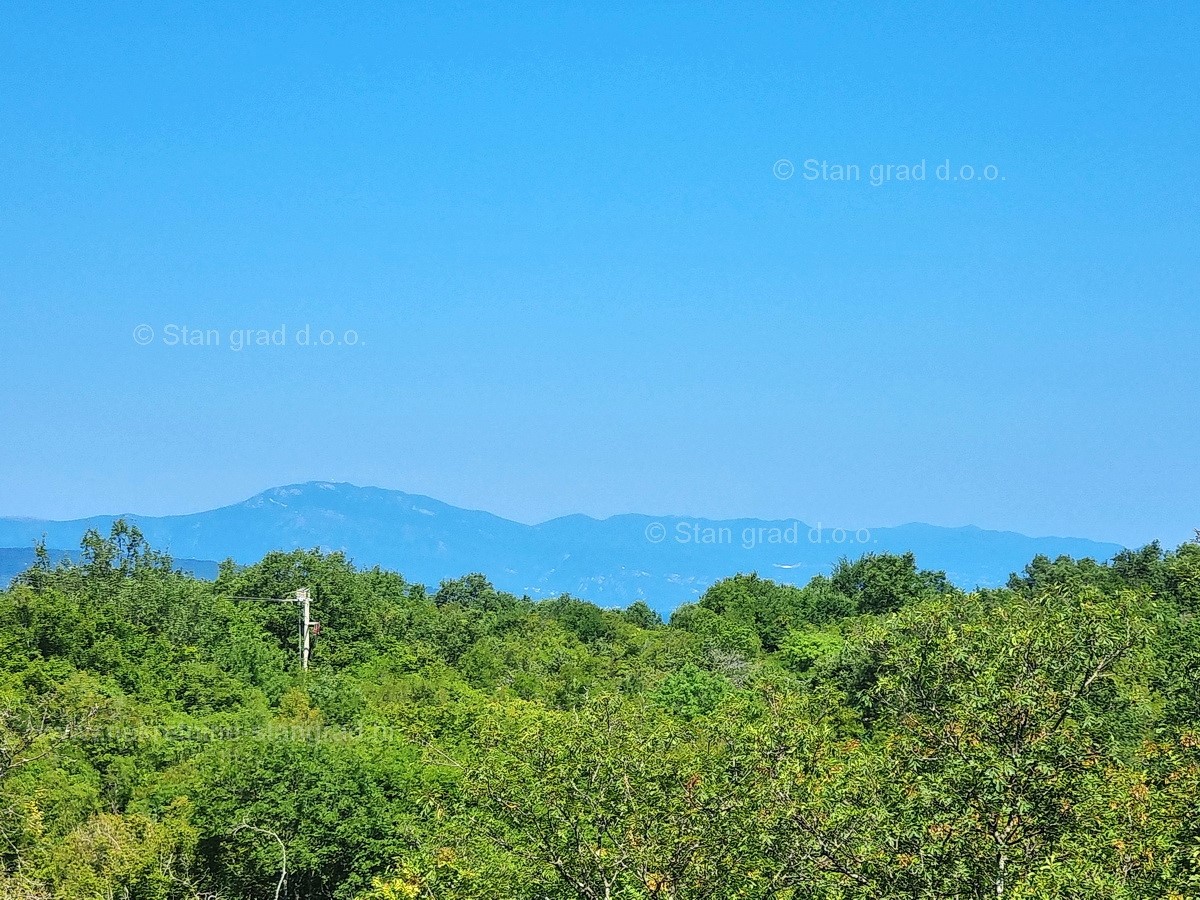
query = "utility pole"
{"x": 304, "y": 599}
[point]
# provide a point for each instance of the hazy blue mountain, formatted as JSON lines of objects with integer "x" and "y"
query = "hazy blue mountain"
{"x": 665, "y": 560}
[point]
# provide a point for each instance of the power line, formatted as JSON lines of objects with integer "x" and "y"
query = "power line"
{"x": 261, "y": 599}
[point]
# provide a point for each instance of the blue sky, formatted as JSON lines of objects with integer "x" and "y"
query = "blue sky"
{"x": 559, "y": 273}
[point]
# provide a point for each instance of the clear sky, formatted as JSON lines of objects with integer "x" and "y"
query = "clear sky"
{"x": 575, "y": 275}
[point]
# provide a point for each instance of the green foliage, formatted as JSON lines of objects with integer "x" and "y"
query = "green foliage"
{"x": 692, "y": 692}
{"x": 719, "y": 634}
{"x": 874, "y": 734}
{"x": 880, "y": 583}
{"x": 640, "y": 614}
{"x": 804, "y": 649}
{"x": 612, "y": 801}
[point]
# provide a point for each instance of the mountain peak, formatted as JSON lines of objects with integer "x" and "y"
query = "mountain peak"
{"x": 666, "y": 560}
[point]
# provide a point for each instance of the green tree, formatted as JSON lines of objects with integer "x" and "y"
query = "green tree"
{"x": 883, "y": 582}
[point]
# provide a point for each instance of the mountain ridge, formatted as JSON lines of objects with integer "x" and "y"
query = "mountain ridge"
{"x": 665, "y": 560}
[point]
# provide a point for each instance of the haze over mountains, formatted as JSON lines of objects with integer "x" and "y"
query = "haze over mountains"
{"x": 665, "y": 560}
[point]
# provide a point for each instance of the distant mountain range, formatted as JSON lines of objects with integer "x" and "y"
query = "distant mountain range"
{"x": 665, "y": 560}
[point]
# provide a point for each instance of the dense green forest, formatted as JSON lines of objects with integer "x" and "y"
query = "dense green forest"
{"x": 875, "y": 734}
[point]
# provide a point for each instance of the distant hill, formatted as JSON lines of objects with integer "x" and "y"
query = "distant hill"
{"x": 15, "y": 560}
{"x": 665, "y": 560}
